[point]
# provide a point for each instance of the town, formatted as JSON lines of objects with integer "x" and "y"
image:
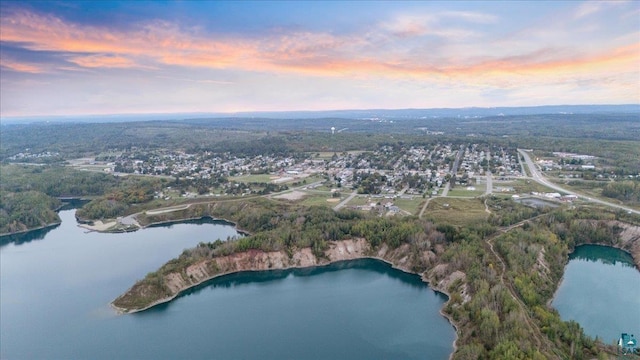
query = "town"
{"x": 392, "y": 179}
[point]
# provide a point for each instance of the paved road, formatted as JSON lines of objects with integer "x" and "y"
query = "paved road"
{"x": 536, "y": 176}
{"x": 445, "y": 191}
{"x": 167, "y": 210}
{"x": 524, "y": 172}
{"x": 303, "y": 186}
{"x": 489, "y": 183}
{"x": 456, "y": 163}
{"x": 489, "y": 177}
{"x": 345, "y": 201}
{"x": 454, "y": 170}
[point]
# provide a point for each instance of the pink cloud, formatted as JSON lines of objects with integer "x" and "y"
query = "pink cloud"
{"x": 309, "y": 53}
{"x": 17, "y": 66}
{"x": 103, "y": 61}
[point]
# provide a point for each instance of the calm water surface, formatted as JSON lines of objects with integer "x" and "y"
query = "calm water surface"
{"x": 601, "y": 291}
{"x": 55, "y": 288}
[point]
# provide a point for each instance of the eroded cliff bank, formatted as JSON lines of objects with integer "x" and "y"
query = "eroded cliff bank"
{"x": 150, "y": 292}
{"x": 630, "y": 241}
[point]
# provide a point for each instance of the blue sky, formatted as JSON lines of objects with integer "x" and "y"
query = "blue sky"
{"x": 105, "y": 57}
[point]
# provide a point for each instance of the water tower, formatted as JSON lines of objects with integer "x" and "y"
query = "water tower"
{"x": 333, "y": 130}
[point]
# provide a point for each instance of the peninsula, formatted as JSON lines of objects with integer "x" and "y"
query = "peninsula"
{"x": 462, "y": 263}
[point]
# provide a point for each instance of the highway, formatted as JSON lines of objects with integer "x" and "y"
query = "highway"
{"x": 539, "y": 178}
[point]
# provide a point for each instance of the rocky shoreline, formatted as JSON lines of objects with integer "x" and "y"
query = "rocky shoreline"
{"x": 256, "y": 260}
{"x": 170, "y": 282}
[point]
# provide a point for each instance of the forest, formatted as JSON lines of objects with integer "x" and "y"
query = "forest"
{"x": 274, "y": 135}
{"x": 499, "y": 308}
{"x": 30, "y": 194}
{"x": 26, "y": 210}
{"x": 512, "y": 259}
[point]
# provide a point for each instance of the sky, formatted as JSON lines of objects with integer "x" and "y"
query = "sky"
{"x": 134, "y": 57}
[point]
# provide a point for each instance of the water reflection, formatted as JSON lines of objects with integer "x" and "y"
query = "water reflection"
{"x": 70, "y": 204}
{"x": 601, "y": 291}
{"x": 536, "y": 203}
{"x": 603, "y": 254}
{"x": 39, "y": 234}
{"x": 200, "y": 221}
{"x": 54, "y": 294}
{"x": 275, "y": 276}
{"x": 33, "y": 235}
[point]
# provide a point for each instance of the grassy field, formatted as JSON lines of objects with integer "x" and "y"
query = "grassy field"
{"x": 323, "y": 155}
{"x": 456, "y": 211}
{"x": 413, "y": 206}
{"x": 523, "y": 186}
{"x": 360, "y": 201}
{"x": 594, "y": 189}
{"x": 319, "y": 199}
{"x": 328, "y": 188}
{"x": 267, "y": 178}
{"x": 462, "y": 190}
{"x": 261, "y": 178}
{"x": 311, "y": 179}
{"x": 527, "y": 171}
{"x": 465, "y": 193}
{"x": 591, "y": 188}
{"x": 327, "y": 155}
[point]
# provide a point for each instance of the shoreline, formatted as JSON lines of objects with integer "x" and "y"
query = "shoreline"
{"x": 105, "y": 227}
{"x": 170, "y": 298}
{"x": 423, "y": 278}
{"x": 181, "y": 221}
{"x": 628, "y": 242}
{"x": 22, "y": 232}
{"x": 636, "y": 263}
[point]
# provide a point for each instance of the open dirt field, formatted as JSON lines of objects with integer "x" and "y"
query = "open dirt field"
{"x": 294, "y": 195}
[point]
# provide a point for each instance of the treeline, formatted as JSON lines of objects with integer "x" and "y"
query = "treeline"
{"x": 75, "y": 140}
{"x": 492, "y": 324}
{"x": 536, "y": 255}
{"x": 286, "y": 227}
{"x": 627, "y": 191}
{"x": 115, "y": 195}
{"x": 507, "y": 212}
{"x": 26, "y": 210}
{"x": 268, "y": 145}
{"x": 119, "y": 201}
{"x": 617, "y": 148}
{"x": 276, "y": 227}
{"x": 56, "y": 181}
{"x": 29, "y": 193}
{"x": 620, "y": 157}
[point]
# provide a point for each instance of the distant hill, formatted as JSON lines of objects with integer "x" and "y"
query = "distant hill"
{"x": 364, "y": 114}
{"x": 444, "y": 112}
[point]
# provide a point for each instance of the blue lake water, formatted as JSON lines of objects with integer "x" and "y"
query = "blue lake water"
{"x": 601, "y": 291}
{"x": 55, "y": 286}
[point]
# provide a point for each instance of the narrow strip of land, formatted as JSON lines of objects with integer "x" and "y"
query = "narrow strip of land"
{"x": 539, "y": 338}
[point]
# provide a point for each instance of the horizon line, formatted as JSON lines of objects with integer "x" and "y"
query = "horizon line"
{"x": 232, "y": 113}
